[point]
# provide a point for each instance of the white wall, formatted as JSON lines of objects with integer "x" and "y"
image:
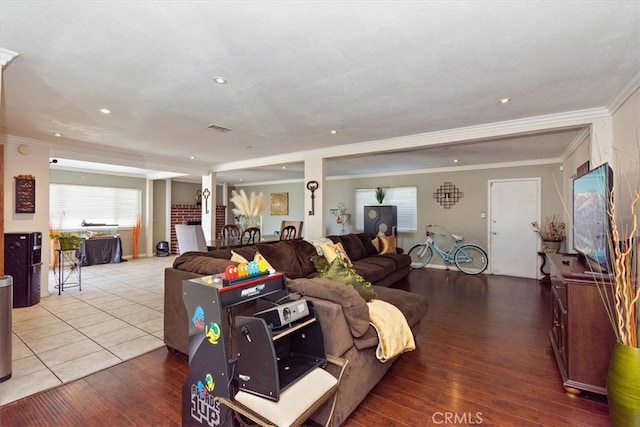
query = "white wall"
{"x": 271, "y": 223}
{"x": 626, "y": 147}
{"x": 36, "y": 164}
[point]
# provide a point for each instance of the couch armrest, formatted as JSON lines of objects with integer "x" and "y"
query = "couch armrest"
{"x": 354, "y": 309}
{"x": 337, "y": 337}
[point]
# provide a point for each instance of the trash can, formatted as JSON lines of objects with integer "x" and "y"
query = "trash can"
{"x": 6, "y": 305}
{"x": 162, "y": 249}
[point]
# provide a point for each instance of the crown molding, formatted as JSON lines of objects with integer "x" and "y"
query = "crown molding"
{"x": 73, "y": 150}
{"x": 6, "y": 56}
{"x": 470, "y": 133}
{"x": 448, "y": 169}
{"x": 624, "y": 94}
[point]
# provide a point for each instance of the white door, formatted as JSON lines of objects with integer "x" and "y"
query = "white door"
{"x": 514, "y": 204}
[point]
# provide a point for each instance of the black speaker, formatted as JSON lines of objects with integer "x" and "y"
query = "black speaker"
{"x": 380, "y": 218}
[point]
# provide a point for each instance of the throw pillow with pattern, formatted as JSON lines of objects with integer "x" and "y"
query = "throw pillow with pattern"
{"x": 339, "y": 270}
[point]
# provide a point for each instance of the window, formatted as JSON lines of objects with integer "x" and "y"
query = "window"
{"x": 69, "y": 205}
{"x": 405, "y": 198}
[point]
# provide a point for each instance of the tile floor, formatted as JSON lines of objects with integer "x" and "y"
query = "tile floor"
{"x": 116, "y": 316}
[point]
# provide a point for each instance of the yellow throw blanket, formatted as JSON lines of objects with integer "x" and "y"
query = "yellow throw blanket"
{"x": 394, "y": 334}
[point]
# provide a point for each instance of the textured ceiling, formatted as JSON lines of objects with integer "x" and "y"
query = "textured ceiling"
{"x": 297, "y": 70}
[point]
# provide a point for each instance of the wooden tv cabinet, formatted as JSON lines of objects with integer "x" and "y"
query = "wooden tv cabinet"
{"x": 581, "y": 334}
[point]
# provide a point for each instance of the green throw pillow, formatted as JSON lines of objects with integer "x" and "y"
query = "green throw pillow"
{"x": 320, "y": 263}
{"x": 339, "y": 270}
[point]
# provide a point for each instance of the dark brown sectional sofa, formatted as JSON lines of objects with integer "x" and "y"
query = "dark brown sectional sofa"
{"x": 343, "y": 314}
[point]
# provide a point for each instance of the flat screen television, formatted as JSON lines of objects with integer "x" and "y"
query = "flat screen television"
{"x": 591, "y": 221}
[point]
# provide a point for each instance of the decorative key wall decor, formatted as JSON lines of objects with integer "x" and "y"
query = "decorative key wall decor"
{"x": 447, "y": 195}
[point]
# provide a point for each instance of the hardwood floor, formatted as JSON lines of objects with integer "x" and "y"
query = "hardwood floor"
{"x": 483, "y": 357}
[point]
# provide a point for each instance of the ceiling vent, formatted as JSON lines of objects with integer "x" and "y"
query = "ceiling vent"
{"x": 218, "y": 128}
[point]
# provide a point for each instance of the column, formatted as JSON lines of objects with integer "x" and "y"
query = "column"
{"x": 314, "y": 225}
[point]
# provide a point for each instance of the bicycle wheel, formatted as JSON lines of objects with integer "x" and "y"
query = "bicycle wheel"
{"x": 420, "y": 255}
{"x": 471, "y": 259}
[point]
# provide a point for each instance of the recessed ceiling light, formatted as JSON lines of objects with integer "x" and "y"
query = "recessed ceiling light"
{"x": 455, "y": 160}
{"x": 220, "y": 80}
{"x": 505, "y": 100}
{"x": 192, "y": 157}
{"x": 57, "y": 134}
{"x": 333, "y": 132}
{"x": 105, "y": 111}
{"x": 284, "y": 167}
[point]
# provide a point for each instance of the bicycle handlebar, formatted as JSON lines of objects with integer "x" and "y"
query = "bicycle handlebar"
{"x": 433, "y": 233}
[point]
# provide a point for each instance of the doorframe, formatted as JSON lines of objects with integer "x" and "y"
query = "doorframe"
{"x": 538, "y": 181}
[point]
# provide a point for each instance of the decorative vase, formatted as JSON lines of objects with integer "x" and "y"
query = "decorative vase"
{"x": 551, "y": 245}
{"x": 623, "y": 385}
{"x": 251, "y": 221}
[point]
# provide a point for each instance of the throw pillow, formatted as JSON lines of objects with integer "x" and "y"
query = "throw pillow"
{"x": 262, "y": 262}
{"x": 317, "y": 241}
{"x": 339, "y": 270}
{"x": 320, "y": 263}
{"x": 387, "y": 244}
{"x": 334, "y": 251}
{"x": 376, "y": 244}
{"x": 236, "y": 257}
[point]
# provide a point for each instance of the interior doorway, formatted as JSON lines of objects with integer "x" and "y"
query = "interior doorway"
{"x": 513, "y": 247}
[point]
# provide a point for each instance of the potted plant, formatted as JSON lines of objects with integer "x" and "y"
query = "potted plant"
{"x": 380, "y": 193}
{"x": 552, "y": 232}
{"x": 623, "y": 378}
{"x": 66, "y": 240}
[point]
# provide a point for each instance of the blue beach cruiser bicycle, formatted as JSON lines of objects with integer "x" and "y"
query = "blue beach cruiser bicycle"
{"x": 468, "y": 257}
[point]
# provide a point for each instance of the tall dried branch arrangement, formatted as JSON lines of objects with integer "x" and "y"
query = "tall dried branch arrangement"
{"x": 251, "y": 206}
{"x": 626, "y": 292}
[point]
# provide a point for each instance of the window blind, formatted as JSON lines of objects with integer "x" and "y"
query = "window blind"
{"x": 70, "y": 205}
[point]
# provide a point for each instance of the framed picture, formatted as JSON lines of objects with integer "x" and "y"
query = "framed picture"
{"x": 279, "y": 203}
{"x": 25, "y": 194}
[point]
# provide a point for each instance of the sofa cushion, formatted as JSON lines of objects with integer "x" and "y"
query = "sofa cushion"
{"x": 375, "y": 268}
{"x": 282, "y": 257}
{"x": 401, "y": 260}
{"x": 340, "y": 271}
{"x": 354, "y": 247}
{"x": 412, "y": 305}
{"x": 355, "y": 309}
{"x": 367, "y": 243}
{"x": 304, "y": 252}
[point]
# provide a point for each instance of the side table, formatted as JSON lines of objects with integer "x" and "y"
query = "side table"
{"x": 69, "y": 269}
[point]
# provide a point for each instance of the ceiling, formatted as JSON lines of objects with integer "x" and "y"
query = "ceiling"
{"x": 405, "y": 85}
